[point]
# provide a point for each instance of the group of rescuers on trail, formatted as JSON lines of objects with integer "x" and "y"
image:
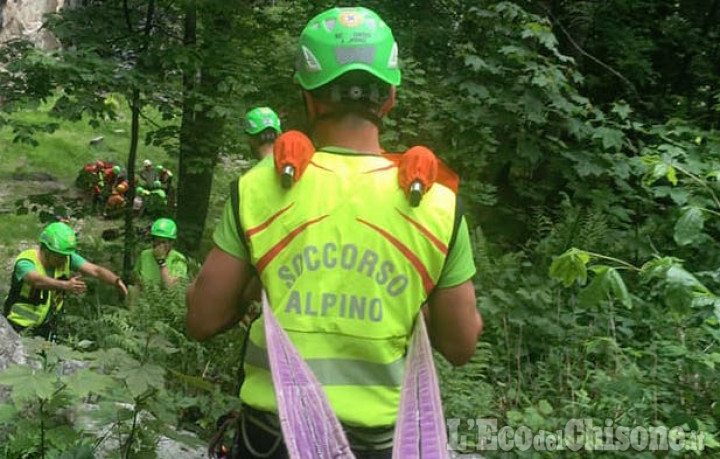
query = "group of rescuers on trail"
{"x": 342, "y": 236}
{"x": 107, "y": 185}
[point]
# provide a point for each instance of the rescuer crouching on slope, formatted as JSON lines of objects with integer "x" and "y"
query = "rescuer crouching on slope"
{"x": 353, "y": 231}
{"x": 42, "y": 275}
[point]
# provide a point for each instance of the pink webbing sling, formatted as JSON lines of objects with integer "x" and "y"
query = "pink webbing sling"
{"x": 310, "y": 428}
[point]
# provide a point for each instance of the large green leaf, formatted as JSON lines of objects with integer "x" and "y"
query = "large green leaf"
{"x": 606, "y": 283}
{"x": 612, "y": 139}
{"x": 678, "y": 275}
{"x": 598, "y": 288}
{"x": 689, "y": 226}
{"x": 618, "y": 287}
{"x": 28, "y": 383}
{"x": 140, "y": 379}
{"x": 570, "y": 267}
{"x": 621, "y": 109}
{"x": 86, "y": 381}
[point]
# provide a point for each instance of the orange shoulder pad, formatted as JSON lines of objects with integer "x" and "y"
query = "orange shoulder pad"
{"x": 421, "y": 164}
{"x": 292, "y": 152}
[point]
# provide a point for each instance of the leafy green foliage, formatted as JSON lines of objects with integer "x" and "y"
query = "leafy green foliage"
{"x": 605, "y": 282}
{"x": 689, "y": 226}
{"x": 570, "y": 266}
{"x": 139, "y": 392}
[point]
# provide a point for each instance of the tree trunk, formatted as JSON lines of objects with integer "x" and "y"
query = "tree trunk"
{"x": 135, "y": 108}
{"x": 191, "y": 232}
{"x": 129, "y": 231}
{"x": 201, "y": 131}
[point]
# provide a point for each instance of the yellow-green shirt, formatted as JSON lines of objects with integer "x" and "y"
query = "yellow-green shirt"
{"x": 147, "y": 270}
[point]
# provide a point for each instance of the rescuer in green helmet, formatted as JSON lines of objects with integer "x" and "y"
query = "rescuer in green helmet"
{"x": 262, "y": 126}
{"x": 42, "y": 275}
{"x": 346, "y": 262}
{"x": 161, "y": 265}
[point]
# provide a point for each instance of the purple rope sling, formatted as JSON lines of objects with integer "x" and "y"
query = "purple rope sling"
{"x": 310, "y": 428}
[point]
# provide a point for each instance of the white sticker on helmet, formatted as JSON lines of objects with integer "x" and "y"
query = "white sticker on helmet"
{"x": 393, "y": 60}
{"x": 311, "y": 62}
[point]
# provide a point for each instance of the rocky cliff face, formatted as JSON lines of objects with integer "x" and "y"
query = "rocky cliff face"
{"x": 23, "y": 19}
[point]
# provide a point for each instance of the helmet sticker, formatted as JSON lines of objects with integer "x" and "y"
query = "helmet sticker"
{"x": 311, "y": 62}
{"x": 393, "y": 60}
{"x": 348, "y": 55}
{"x": 350, "y": 18}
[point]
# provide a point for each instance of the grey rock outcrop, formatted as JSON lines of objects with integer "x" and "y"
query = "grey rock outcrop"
{"x": 11, "y": 351}
{"x": 23, "y": 19}
{"x": 11, "y": 348}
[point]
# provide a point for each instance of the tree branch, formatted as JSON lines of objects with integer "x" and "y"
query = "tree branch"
{"x": 582, "y": 51}
{"x": 126, "y": 10}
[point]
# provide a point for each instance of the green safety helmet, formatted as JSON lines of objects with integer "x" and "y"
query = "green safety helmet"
{"x": 341, "y": 40}
{"x": 140, "y": 190}
{"x": 165, "y": 228}
{"x": 59, "y": 238}
{"x": 116, "y": 169}
{"x": 159, "y": 168}
{"x": 260, "y": 118}
{"x": 157, "y": 184}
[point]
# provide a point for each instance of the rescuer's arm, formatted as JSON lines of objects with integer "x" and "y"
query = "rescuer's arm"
{"x": 454, "y": 323}
{"x": 104, "y": 275}
{"x": 215, "y": 299}
{"x": 41, "y": 282}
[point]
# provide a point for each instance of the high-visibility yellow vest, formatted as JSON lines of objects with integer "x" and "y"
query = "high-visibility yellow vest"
{"x": 27, "y": 306}
{"x": 347, "y": 264}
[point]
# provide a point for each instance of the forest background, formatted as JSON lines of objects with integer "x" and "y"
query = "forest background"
{"x": 585, "y": 133}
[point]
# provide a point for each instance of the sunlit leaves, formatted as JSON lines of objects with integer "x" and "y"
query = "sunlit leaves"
{"x": 570, "y": 267}
{"x": 657, "y": 169}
